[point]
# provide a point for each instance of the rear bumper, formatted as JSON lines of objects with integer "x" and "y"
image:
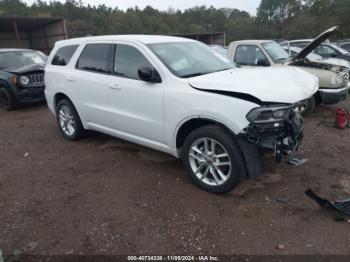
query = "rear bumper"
{"x": 333, "y": 96}
{"x": 30, "y": 95}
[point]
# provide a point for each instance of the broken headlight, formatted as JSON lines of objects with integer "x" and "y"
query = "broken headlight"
{"x": 24, "y": 80}
{"x": 269, "y": 114}
{"x": 340, "y": 79}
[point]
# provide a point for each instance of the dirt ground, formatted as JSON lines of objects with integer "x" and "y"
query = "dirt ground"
{"x": 102, "y": 195}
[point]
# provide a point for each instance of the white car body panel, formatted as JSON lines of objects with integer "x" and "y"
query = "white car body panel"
{"x": 151, "y": 114}
{"x": 299, "y": 86}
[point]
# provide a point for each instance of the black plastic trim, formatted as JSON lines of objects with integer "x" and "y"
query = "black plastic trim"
{"x": 238, "y": 95}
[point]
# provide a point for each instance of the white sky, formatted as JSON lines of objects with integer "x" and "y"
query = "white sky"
{"x": 247, "y": 5}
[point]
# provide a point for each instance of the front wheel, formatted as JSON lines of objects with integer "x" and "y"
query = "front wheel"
{"x": 6, "y": 99}
{"x": 307, "y": 106}
{"x": 212, "y": 159}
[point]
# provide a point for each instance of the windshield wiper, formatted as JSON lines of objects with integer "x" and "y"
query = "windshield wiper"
{"x": 192, "y": 75}
{"x": 281, "y": 59}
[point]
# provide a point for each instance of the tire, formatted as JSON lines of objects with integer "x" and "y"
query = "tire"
{"x": 69, "y": 121}
{"x": 231, "y": 175}
{"x": 309, "y": 106}
{"x": 7, "y": 101}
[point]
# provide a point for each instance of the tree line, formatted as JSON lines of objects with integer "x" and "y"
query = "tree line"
{"x": 275, "y": 19}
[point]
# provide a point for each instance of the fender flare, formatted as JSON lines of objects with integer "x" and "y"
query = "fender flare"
{"x": 250, "y": 152}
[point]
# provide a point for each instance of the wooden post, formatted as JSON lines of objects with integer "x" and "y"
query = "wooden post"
{"x": 64, "y": 29}
{"x": 46, "y": 40}
{"x": 16, "y": 32}
{"x": 29, "y": 34}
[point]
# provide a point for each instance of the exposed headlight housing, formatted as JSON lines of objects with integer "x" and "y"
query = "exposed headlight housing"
{"x": 338, "y": 79}
{"x": 269, "y": 114}
{"x": 24, "y": 80}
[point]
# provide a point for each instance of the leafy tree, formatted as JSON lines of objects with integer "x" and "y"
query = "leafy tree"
{"x": 274, "y": 19}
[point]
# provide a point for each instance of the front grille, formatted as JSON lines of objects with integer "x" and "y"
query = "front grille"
{"x": 36, "y": 79}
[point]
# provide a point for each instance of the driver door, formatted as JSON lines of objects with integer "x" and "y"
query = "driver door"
{"x": 136, "y": 106}
{"x": 250, "y": 56}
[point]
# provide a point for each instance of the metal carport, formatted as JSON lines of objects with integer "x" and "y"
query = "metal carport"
{"x": 39, "y": 33}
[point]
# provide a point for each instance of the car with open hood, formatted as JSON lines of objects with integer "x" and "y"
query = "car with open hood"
{"x": 333, "y": 79}
{"x": 21, "y": 77}
{"x": 293, "y": 51}
{"x": 326, "y": 49}
{"x": 180, "y": 97}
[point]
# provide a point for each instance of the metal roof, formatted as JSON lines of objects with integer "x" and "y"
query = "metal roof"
{"x": 25, "y": 23}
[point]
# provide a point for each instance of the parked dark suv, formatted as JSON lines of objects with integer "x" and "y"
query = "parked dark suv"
{"x": 21, "y": 77}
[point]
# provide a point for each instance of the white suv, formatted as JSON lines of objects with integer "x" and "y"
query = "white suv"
{"x": 177, "y": 96}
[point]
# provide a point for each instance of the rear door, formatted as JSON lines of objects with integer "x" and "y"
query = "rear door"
{"x": 91, "y": 78}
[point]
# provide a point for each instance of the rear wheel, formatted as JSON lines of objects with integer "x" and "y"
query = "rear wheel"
{"x": 213, "y": 160}
{"x": 69, "y": 121}
{"x": 6, "y": 99}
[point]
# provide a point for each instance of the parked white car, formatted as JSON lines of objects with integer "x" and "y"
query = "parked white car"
{"x": 178, "y": 96}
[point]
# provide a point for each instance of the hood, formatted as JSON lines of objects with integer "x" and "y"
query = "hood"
{"x": 334, "y": 62}
{"x": 25, "y": 69}
{"x": 276, "y": 84}
{"x": 315, "y": 43}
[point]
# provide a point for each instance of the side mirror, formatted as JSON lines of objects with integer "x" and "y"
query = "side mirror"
{"x": 262, "y": 62}
{"x": 150, "y": 75}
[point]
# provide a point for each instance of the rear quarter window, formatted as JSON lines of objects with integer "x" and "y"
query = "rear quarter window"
{"x": 63, "y": 55}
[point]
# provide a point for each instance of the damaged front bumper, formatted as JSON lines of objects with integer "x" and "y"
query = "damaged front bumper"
{"x": 332, "y": 96}
{"x": 277, "y": 129}
{"x": 26, "y": 95}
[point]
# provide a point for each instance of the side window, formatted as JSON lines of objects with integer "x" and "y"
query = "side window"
{"x": 63, "y": 55}
{"x": 346, "y": 47}
{"x": 97, "y": 58}
{"x": 128, "y": 60}
{"x": 250, "y": 55}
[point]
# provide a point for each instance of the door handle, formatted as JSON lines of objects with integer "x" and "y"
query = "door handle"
{"x": 115, "y": 87}
{"x": 70, "y": 79}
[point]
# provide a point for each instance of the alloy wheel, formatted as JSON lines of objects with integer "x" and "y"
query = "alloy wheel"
{"x": 210, "y": 161}
{"x": 66, "y": 120}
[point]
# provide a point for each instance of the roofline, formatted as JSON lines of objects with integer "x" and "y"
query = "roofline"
{"x": 124, "y": 37}
{"x": 254, "y": 40}
{"x": 194, "y": 34}
{"x": 32, "y": 18}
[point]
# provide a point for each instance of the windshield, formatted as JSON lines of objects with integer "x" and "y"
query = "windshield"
{"x": 220, "y": 50}
{"x": 276, "y": 52}
{"x": 189, "y": 59}
{"x": 16, "y": 59}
